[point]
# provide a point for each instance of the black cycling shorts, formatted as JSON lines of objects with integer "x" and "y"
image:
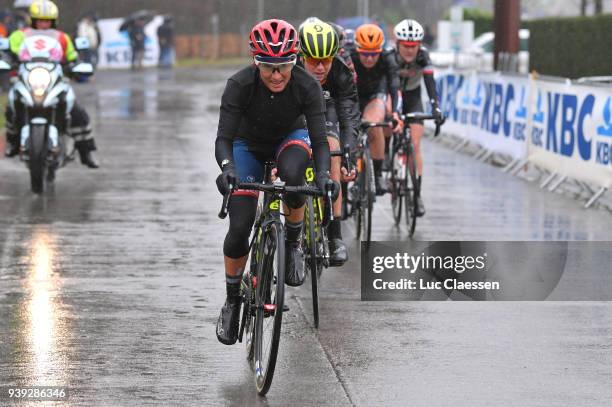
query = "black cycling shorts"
{"x": 412, "y": 103}
{"x": 364, "y": 100}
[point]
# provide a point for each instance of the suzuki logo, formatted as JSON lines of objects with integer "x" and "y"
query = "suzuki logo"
{"x": 40, "y": 44}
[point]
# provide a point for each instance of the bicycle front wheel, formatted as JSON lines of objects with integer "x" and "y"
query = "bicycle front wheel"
{"x": 367, "y": 198}
{"x": 312, "y": 263}
{"x": 356, "y": 194}
{"x": 399, "y": 183}
{"x": 270, "y": 296}
{"x": 412, "y": 191}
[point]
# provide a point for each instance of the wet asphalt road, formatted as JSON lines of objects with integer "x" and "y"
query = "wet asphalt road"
{"x": 111, "y": 282}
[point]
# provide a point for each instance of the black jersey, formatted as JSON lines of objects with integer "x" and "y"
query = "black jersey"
{"x": 381, "y": 78}
{"x": 340, "y": 87}
{"x": 251, "y": 112}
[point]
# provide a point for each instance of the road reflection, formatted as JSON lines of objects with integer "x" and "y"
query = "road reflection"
{"x": 44, "y": 333}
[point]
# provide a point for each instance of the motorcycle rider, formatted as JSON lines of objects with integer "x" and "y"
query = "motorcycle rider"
{"x": 263, "y": 108}
{"x": 44, "y": 15}
{"x": 320, "y": 44}
{"x": 414, "y": 64}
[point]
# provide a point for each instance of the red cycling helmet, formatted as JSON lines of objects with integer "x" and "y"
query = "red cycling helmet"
{"x": 274, "y": 41}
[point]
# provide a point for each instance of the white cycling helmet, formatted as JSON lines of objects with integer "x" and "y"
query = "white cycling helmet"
{"x": 409, "y": 30}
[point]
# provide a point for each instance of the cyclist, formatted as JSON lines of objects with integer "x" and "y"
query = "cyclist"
{"x": 349, "y": 40}
{"x": 413, "y": 60}
{"x": 263, "y": 109}
{"x": 346, "y": 46}
{"x": 378, "y": 89}
{"x": 44, "y": 15}
{"x": 319, "y": 49}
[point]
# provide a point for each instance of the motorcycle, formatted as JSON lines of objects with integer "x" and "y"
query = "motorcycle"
{"x": 41, "y": 98}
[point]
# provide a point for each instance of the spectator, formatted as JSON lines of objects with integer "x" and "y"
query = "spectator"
{"x": 88, "y": 27}
{"x": 20, "y": 19}
{"x": 137, "y": 41}
{"x": 165, "y": 35}
{"x": 5, "y": 23}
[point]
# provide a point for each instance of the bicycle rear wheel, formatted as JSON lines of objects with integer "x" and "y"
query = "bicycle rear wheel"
{"x": 310, "y": 250}
{"x": 270, "y": 295}
{"x": 247, "y": 322}
{"x": 249, "y": 299}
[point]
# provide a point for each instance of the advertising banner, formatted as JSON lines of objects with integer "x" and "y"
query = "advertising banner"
{"x": 488, "y": 108}
{"x": 572, "y": 131}
{"x": 560, "y": 126}
{"x": 115, "y": 51}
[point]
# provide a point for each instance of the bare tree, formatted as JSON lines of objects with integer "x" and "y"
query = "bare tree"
{"x": 583, "y": 7}
{"x": 598, "y": 6}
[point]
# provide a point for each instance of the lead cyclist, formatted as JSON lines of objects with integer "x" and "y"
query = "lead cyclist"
{"x": 263, "y": 111}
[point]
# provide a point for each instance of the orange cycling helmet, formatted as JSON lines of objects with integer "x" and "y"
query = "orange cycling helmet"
{"x": 369, "y": 37}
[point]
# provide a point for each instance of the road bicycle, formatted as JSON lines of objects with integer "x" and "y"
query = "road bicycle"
{"x": 263, "y": 285}
{"x": 317, "y": 216}
{"x": 403, "y": 183}
{"x": 362, "y": 192}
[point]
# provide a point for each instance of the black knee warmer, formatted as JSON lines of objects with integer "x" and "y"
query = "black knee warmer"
{"x": 242, "y": 211}
{"x": 291, "y": 165}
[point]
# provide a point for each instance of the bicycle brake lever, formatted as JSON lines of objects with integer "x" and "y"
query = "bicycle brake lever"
{"x": 224, "y": 206}
{"x": 346, "y": 157}
{"x": 329, "y": 204}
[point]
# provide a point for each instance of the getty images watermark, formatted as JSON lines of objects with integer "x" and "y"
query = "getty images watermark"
{"x": 506, "y": 271}
{"x": 412, "y": 264}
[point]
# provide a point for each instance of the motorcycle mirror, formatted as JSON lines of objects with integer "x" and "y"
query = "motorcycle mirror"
{"x": 81, "y": 43}
{"x": 83, "y": 68}
{"x": 4, "y": 44}
{"x": 4, "y": 66}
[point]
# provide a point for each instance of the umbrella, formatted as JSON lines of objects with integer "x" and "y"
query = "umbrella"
{"x": 22, "y": 3}
{"x": 146, "y": 15}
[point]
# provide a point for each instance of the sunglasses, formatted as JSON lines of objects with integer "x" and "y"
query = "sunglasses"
{"x": 369, "y": 54}
{"x": 314, "y": 62}
{"x": 268, "y": 67}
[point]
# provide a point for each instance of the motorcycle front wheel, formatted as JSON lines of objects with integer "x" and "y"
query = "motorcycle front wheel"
{"x": 38, "y": 158}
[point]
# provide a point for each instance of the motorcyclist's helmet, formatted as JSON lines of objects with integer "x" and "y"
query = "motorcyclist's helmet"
{"x": 44, "y": 10}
